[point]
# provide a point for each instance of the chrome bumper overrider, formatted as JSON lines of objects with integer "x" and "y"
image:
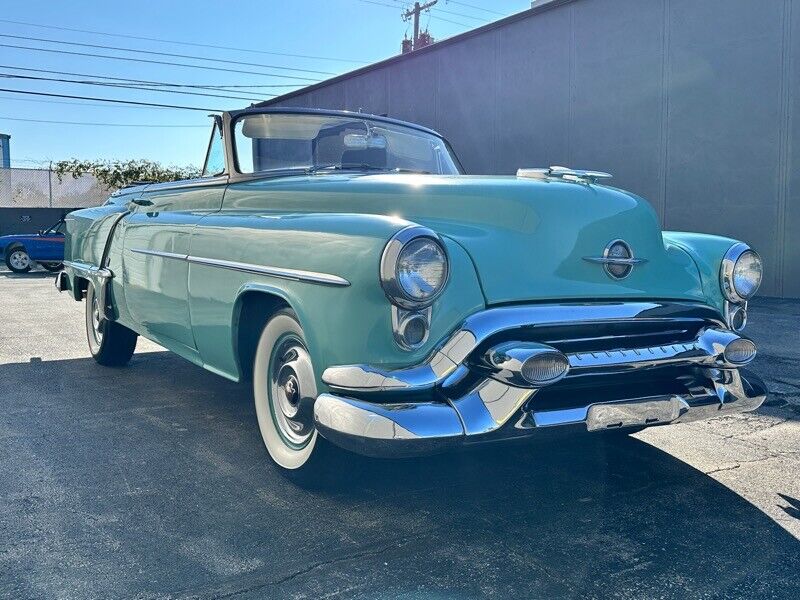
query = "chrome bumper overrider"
{"x": 452, "y": 399}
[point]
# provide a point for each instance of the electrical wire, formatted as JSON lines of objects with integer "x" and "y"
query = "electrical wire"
{"x": 147, "y": 81}
{"x": 446, "y": 12}
{"x": 42, "y": 101}
{"x": 168, "y": 54}
{"x": 438, "y": 18}
{"x": 112, "y": 100}
{"x": 181, "y": 43}
{"x": 128, "y": 86}
{"x": 494, "y": 12}
{"x": 97, "y": 124}
{"x": 158, "y": 62}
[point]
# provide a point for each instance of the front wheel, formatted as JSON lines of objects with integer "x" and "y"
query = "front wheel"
{"x": 284, "y": 389}
{"x": 111, "y": 344}
{"x": 18, "y": 260}
{"x": 53, "y": 266}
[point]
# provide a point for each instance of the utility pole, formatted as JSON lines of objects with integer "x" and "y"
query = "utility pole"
{"x": 414, "y": 13}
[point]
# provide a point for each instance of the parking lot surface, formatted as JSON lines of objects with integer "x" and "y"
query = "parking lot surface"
{"x": 151, "y": 481}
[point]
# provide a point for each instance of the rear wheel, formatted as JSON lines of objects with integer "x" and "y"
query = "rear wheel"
{"x": 284, "y": 390}
{"x": 111, "y": 344}
{"x": 18, "y": 260}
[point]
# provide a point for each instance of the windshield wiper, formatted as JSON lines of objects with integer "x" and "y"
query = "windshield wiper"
{"x": 417, "y": 171}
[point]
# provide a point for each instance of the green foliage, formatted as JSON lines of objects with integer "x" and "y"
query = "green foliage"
{"x": 116, "y": 174}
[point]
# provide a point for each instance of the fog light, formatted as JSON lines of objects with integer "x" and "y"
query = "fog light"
{"x": 414, "y": 329}
{"x": 545, "y": 368}
{"x": 410, "y": 328}
{"x": 738, "y": 318}
{"x": 740, "y": 352}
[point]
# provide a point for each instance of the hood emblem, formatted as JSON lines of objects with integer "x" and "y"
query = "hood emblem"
{"x": 617, "y": 260}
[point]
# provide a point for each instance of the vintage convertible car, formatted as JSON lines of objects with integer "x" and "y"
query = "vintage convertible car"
{"x": 379, "y": 299}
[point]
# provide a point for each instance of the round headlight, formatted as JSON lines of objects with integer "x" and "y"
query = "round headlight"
{"x": 741, "y": 273}
{"x": 747, "y": 274}
{"x": 414, "y": 267}
{"x": 421, "y": 269}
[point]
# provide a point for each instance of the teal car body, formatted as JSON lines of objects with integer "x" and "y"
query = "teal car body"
{"x": 199, "y": 265}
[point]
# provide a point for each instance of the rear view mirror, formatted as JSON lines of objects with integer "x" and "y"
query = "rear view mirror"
{"x": 362, "y": 141}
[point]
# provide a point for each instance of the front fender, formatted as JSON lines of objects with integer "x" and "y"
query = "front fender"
{"x": 707, "y": 251}
{"x": 343, "y": 324}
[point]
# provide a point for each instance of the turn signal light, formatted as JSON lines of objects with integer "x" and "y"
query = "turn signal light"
{"x": 544, "y": 368}
{"x": 740, "y": 351}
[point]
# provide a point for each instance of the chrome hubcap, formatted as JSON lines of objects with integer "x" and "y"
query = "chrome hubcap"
{"x": 291, "y": 374}
{"x": 19, "y": 259}
{"x": 98, "y": 332}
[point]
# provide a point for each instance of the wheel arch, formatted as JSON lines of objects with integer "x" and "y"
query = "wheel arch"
{"x": 255, "y": 304}
{"x": 15, "y": 246}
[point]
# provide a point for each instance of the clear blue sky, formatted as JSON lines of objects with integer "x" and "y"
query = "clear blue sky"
{"x": 358, "y": 31}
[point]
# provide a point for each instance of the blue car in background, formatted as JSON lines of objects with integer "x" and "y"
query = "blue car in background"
{"x": 24, "y": 250}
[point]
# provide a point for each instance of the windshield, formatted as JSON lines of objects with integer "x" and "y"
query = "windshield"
{"x": 56, "y": 228}
{"x": 269, "y": 142}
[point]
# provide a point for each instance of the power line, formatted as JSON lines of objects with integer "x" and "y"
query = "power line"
{"x": 494, "y": 12}
{"x": 147, "y": 81}
{"x": 181, "y": 43}
{"x": 158, "y": 62}
{"x": 169, "y": 54}
{"x": 127, "y": 86}
{"x": 443, "y": 11}
{"x": 41, "y": 101}
{"x": 114, "y": 101}
{"x": 97, "y": 124}
{"x": 438, "y": 18}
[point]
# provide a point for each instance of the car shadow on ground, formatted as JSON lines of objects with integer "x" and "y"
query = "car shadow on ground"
{"x": 152, "y": 481}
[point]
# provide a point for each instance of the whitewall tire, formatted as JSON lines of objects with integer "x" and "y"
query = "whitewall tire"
{"x": 284, "y": 390}
{"x": 111, "y": 344}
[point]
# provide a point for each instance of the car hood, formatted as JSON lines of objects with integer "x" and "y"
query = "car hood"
{"x": 529, "y": 239}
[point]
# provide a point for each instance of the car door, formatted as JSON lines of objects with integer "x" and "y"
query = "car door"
{"x": 156, "y": 238}
{"x": 50, "y": 244}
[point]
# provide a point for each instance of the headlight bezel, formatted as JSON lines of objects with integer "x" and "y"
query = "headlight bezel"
{"x": 727, "y": 269}
{"x": 390, "y": 261}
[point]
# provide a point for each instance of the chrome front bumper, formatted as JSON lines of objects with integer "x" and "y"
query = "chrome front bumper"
{"x": 449, "y": 401}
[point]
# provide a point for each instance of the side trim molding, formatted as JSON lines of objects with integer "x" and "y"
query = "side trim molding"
{"x": 280, "y": 272}
{"x": 172, "y": 255}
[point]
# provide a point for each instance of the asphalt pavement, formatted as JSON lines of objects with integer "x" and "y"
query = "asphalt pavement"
{"x": 151, "y": 481}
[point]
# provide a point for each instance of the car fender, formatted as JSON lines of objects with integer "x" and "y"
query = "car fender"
{"x": 343, "y": 323}
{"x": 707, "y": 252}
